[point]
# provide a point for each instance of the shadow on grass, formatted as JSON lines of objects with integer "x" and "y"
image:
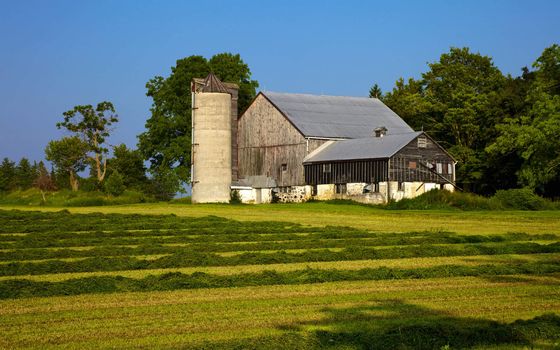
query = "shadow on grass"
{"x": 394, "y": 324}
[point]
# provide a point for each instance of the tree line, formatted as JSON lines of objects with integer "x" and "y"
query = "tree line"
{"x": 504, "y": 131}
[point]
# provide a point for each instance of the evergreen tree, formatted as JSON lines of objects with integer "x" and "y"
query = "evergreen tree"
{"x": 24, "y": 174}
{"x": 7, "y": 175}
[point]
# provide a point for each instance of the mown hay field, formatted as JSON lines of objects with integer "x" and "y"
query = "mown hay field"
{"x": 305, "y": 276}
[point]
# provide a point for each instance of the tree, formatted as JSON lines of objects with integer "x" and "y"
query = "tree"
{"x": 165, "y": 183}
{"x": 409, "y": 102}
{"x": 68, "y": 155}
{"x": 44, "y": 181}
{"x": 7, "y": 175}
{"x": 130, "y": 164}
{"x": 375, "y": 92}
{"x": 93, "y": 126}
{"x": 458, "y": 102}
{"x": 535, "y": 136}
{"x": 167, "y": 139}
{"x": 25, "y": 174}
{"x": 114, "y": 184}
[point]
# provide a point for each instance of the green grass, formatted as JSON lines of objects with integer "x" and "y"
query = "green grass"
{"x": 221, "y": 276}
{"x": 33, "y": 197}
{"x": 357, "y": 216}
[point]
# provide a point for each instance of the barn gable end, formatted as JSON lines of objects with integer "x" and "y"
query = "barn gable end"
{"x": 269, "y": 144}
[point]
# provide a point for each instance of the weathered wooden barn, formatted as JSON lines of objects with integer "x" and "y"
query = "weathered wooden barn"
{"x": 293, "y": 147}
{"x": 335, "y": 146}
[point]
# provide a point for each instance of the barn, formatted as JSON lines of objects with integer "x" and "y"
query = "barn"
{"x": 290, "y": 147}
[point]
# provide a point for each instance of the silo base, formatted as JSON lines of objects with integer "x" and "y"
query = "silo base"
{"x": 211, "y": 193}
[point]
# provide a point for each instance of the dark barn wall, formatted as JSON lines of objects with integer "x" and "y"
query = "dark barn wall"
{"x": 367, "y": 171}
{"x": 409, "y": 164}
{"x": 266, "y": 140}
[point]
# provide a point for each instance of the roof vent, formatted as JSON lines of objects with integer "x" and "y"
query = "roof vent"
{"x": 380, "y": 131}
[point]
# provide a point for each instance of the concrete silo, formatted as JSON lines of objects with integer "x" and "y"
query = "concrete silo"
{"x": 211, "y": 171}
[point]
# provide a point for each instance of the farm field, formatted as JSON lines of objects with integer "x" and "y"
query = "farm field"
{"x": 312, "y": 276}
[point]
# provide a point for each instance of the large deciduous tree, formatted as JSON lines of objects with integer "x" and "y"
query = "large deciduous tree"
{"x": 535, "y": 135}
{"x": 457, "y": 101}
{"x": 92, "y": 125}
{"x": 167, "y": 139}
{"x": 68, "y": 155}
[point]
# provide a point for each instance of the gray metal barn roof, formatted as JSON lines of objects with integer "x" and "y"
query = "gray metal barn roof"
{"x": 364, "y": 148}
{"x": 337, "y": 116}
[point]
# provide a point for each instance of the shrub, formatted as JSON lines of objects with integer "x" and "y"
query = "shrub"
{"x": 442, "y": 199}
{"x": 92, "y": 200}
{"x": 89, "y": 184}
{"x": 182, "y": 200}
{"x": 235, "y": 197}
{"x": 522, "y": 199}
{"x": 114, "y": 184}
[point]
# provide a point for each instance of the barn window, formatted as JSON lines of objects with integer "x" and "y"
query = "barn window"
{"x": 450, "y": 168}
{"x": 284, "y": 167}
{"x": 422, "y": 142}
{"x": 412, "y": 165}
{"x": 439, "y": 168}
{"x": 326, "y": 168}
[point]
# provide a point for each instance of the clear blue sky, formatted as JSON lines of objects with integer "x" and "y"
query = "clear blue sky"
{"x": 57, "y": 54}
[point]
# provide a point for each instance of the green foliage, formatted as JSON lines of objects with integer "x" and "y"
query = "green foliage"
{"x": 181, "y": 200}
{"x": 69, "y": 155}
{"x": 165, "y": 183}
{"x": 535, "y": 136}
{"x": 64, "y": 197}
{"x": 375, "y": 92}
{"x": 517, "y": 199}
{"x": 235, "y": 197}
{"x": 25, "y": 174}
{"x": 166, "y": 141}
{"x": 441, "y": 199}
{"x": 7, "y": 175}
{"x": 521, "y": 199}
{"x": 114, "y": 184}
{"x": 130, "y": 164}
{"x": 93, "y": 127}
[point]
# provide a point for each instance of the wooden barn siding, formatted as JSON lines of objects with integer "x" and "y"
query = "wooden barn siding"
{"x": 368, "y": 171}
{"x": 234, "y": 114}
{"x": 266, "y": 140}
{"x": 433, "y": 153}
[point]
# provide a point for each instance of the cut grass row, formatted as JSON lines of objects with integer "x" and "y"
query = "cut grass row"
{"x": 63, "y": 222}
{"x": 406, "y": 263}
{"x": 192, "y": 258}
{"x": 30, "y": 247}
{"x": 20, "y": 288}
{"x": 359, "y": 314}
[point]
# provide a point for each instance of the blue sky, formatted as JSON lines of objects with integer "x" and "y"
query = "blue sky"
{"x": 58, "y": 54}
